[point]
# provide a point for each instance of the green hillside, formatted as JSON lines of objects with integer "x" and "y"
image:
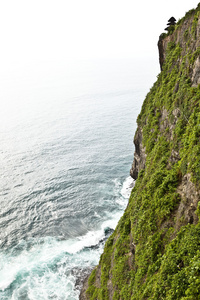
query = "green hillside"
{"x": 154, "y": 253}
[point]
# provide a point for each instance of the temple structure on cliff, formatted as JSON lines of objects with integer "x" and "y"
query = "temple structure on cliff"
{"x": 171, "y": 22}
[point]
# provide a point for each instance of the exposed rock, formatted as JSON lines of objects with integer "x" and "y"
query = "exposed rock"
{"x": 80, "y": 275}
{"x": 196, "y": 73}
{"x": 161, "y": 51}
{"x": 190, "y": 197}
{"x": 83, "y": 295}
{"x": 180, "y": 37}
{"x": 139, "y": 155}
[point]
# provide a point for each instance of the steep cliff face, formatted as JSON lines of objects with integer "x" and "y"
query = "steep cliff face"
{"x": 154, "y": 253}
{"x": 139, "y": 155}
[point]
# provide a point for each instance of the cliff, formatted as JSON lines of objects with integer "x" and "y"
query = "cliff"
{"x": 154, "y": 253}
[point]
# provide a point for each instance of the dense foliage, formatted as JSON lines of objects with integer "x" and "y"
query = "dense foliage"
{"x": 154, "y": 252}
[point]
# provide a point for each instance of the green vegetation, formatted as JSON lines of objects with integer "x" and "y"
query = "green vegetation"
{"x": 154, "y": 252}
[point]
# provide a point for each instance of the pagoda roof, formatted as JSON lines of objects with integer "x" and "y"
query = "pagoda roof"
{"x": 172, "y": 19}
{"x": 171, "y": 23}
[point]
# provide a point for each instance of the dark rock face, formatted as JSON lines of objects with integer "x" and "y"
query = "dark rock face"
{"x": 80, "y": 275}
{"x": 139, "y": 155}
{"x": 84, "y": 289}
{"x": 83, "y": 294}
{"x": 161, "y": 51}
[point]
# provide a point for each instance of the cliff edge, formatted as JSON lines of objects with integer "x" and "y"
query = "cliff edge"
{"x": 154, "y": 252}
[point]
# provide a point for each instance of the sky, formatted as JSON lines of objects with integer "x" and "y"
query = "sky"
{"x": 84, "y": 29}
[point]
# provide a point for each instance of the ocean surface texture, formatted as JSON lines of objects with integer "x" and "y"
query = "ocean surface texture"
{"x": 66, "y": 132}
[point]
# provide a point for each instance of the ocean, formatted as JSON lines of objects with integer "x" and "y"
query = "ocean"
{"x": 66, "y": 148}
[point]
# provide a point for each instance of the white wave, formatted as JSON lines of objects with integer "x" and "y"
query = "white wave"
{"x": 122, "y": 202}
{"x": 127, "y": 187}
{"x": 91, "y": 238}
{"x": 45, "y": 268}
{"x": 97, "y": 215}
{"x": 112, "y": 221}
{"x": 34, "y": 264}
{"x": 7, "y": 278}
{"x": 117, "y": 183}
{"x": 125, "y": 192}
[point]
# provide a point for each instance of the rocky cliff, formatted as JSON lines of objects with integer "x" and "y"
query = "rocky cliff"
{"x": 154, "y": 253}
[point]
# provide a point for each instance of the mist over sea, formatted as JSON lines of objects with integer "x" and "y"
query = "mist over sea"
{"x": 66, "y": 148}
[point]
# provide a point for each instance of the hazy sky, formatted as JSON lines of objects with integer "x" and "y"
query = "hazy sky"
{"x": 63, "y": 29}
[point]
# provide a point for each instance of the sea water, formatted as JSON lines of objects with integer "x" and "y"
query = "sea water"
{"x": 66, "y": 131}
